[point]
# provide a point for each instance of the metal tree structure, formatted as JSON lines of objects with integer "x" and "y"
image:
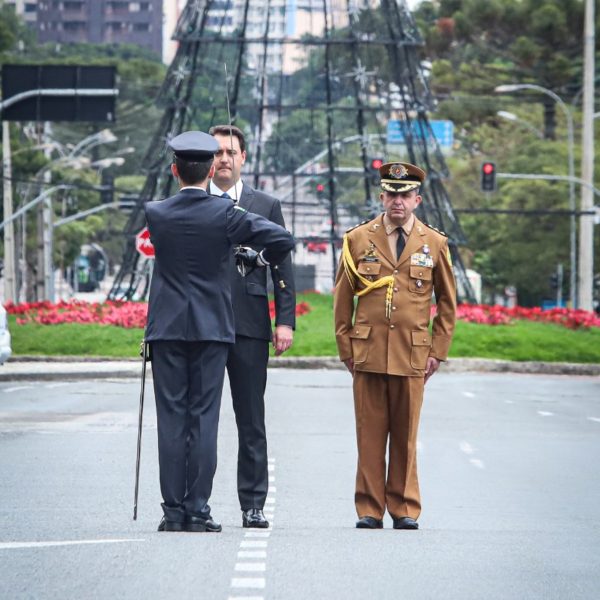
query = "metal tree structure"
{"x": 313, "y": 84}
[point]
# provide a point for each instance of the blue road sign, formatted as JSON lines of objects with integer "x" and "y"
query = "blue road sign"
{"x": 442, "y": 130}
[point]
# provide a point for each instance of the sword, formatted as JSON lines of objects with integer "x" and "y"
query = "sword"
{"x": 139, "y": 438}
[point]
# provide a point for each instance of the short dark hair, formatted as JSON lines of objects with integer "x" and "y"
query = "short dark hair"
{"x": 192, "y": 172}
{"x": 229, "y": 130}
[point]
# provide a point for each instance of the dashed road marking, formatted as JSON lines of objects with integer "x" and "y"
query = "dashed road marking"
{"x": 17, "y": 388}
{"x": 469, "y": 394}
{"x": 50, "y": 386}
{"x": 477, "y": 463}
{"x": 545, "y": 413}
{"x": 466, "y": 447}
{"x": 595, "y": 419}
{"x": 252, "y": 555}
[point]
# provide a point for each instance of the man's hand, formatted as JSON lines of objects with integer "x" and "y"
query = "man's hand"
{"x": 349, "y": 362}
{"x": 246, "y": 260}
{"x": 283, "y": 337}
{"x": 433, "y": 364}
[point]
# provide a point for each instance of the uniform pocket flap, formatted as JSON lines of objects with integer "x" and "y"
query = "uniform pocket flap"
{"x": 255, "y": 289}
{"x": 423, "y": 273}
{"x": 360, "y": 332}
{"x": 421, "y": 338}
{"x": 369, "y": 268}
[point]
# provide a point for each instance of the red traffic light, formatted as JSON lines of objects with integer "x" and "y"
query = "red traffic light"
{"x": 376, "y": 163}
{"x": 488, "y": 168}
{"x": 320, "y": 187}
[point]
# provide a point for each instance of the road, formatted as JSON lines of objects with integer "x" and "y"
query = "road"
{"x": 508, "y": 469}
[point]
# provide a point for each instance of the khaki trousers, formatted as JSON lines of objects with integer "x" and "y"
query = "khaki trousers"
{"x": 387, "y": 406}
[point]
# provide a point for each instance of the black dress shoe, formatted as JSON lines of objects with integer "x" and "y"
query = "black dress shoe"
{"x": 254, "y": 517}
{"x": 200, "y": 524}
{"x": 165, "y": 525}
{"x": 405, "y": 523}
{"x": 369, "y": 523}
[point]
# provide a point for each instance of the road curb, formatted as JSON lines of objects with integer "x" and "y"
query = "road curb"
{"x": 45, "y": 368}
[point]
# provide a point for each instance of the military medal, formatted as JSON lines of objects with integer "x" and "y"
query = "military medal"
{"x": 426, "y": 249}
{"x": 370, "y": 254}
{"x": 419, "y": 283}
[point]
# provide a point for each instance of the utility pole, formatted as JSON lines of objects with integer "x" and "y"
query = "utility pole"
{"x": 10, "y": 283}
{"x": 586, "y": 224}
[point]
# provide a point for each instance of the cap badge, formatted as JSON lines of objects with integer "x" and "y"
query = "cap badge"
{"x": 398, "y": 171}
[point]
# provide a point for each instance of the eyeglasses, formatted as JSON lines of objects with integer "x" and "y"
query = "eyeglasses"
{"x": 230, "y": 152}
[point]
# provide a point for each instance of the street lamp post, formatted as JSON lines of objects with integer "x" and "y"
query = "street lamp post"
{"x": 515, "y": 87}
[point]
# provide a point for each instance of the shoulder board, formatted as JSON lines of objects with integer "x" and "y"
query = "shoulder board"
{"x": 238, "y": 207}
{"x": 436, "y": 229}
{"x": 359, "y": 224}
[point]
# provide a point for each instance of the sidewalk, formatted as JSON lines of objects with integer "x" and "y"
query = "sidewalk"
{"x": 64, "y": 368}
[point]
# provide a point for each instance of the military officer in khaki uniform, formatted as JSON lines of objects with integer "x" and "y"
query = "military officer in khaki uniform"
{"x": 393, "y": 264}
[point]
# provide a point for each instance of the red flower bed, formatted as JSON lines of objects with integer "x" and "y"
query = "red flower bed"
{"x": 500, "y": 315}
{"x": 121, "y": 314}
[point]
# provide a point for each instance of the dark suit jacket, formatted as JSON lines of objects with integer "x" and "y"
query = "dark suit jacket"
{"x": 249, "y": 294}
{"x": 193, "y": 235}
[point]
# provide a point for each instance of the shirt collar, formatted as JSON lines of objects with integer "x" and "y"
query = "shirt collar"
{"x": 390, "y": 227}
{"x": 192, "y": 187}
{"x": 235, "y": 192}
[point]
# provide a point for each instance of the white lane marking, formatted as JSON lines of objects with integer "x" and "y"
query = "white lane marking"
{"x": 477, "y": 463}
{"x": 248, "y": 582}
{"x": 271, "y": 460}
{"x": 595, "y": 419}
{"x": 252, "y": 554}
{"x": 50, "y": 386}
{"x": 17, "y": 388}
{"x": 545, "y": 413}
{"x": 272, "y": 489}
{"x": 469, "y": 394}
{"x": 15, "y": 545}
{"x": 253, "y": 544}
{"x": 251, "y": 567}
{"x": 271, "y": 478}
{"x": 466, "y": 447}
{"x": 509, "y": 401}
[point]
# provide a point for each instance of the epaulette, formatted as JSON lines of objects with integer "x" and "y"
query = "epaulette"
{"x": 359, "y": 224}
{"x": 436, "y": 229}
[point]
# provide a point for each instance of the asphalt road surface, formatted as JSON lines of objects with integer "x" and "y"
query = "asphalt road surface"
{"x": 509, "y": 471}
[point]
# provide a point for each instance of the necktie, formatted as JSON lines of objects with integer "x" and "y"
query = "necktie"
{"x": 400, "y": 243}
{"x": 226, "y": 195}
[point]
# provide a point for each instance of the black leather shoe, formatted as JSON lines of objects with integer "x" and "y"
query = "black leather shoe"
{"x": 200, "y": 525}
{"x": 165, "y": 525}
{"x": 369, "y": 523}
{"x": 254, "y": 517}
{"x": 405, "y": 523}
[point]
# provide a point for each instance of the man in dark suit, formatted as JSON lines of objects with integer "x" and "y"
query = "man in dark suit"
{"x": 190, "y": 324}
{"x": 248, "y": 357}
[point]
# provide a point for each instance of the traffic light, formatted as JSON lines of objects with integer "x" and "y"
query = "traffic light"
{"x": 488, "y": 177}
{"x": 374, "y": 167}
{"x": 554, "y": 281}
{"x": 320, "y": 191}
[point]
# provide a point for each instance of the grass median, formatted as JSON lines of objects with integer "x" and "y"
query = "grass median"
{"x": 519, "y": 341}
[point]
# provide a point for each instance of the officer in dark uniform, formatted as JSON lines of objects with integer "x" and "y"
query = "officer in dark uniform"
{"x": 190, "y": 324}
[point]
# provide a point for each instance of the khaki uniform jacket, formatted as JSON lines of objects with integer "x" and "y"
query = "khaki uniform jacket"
{"x": 398, "y": 345}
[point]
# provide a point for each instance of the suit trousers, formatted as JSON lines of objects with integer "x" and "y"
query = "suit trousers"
{"x": 188, "y": 383}
{"x": 387, "y": 407}
{"x": 247, "y": 370}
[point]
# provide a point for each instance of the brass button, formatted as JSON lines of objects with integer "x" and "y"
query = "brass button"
{"x": 393, "y": 308}
{"x": 395, "y": 271}
{"x": 368, "y": 268}
{"x": 420, "y": 273}
{"x": 392, "y": 326}
{"x": 424, "y": 339}
{"x": 395, "y": 289}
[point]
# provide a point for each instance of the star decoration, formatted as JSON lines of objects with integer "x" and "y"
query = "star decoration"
{"x": 360, "y": 74}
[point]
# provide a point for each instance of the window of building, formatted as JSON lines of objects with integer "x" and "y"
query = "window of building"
{"x": 145, "y": 27}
